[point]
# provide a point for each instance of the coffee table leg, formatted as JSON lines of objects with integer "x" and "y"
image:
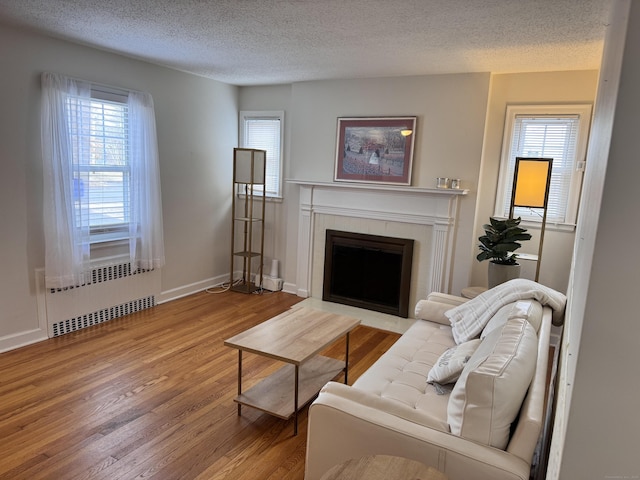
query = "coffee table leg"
{"x": 295, "y": 402}
{"x": 239, "y": 380}
{"x": 346, "y": 361}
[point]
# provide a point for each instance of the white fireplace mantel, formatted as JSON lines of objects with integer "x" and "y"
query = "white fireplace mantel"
{"x": 433, "y": 207}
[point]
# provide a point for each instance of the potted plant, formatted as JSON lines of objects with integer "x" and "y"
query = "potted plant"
{"x": 500, "y": 240}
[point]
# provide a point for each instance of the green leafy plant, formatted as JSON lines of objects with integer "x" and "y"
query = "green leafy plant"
{"x": 500, "y": 240}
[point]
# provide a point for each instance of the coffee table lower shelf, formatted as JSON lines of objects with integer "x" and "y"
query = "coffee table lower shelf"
{"x": 275, "y": 394}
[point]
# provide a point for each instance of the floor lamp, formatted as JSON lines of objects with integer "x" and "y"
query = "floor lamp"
{"x": 531, "y": 181}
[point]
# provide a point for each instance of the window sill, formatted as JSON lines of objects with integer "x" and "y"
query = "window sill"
{"x": 557, "y": 227}
{"x": 106, "y": 247}
{"x": 109, "y": 238}
{"x": 537, "y": 224}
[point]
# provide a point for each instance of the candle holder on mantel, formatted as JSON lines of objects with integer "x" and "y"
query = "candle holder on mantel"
{"x": 443, "y": 182}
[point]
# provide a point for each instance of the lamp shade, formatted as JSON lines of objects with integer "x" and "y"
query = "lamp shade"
{"x": 249, "y": 165}
{"x": 531, "y": 182}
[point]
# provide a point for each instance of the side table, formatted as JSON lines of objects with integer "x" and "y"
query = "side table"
{"x": 382, "y": 467}
{"x": 472, "y": 292}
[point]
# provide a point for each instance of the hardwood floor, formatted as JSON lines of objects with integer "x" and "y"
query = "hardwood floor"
{"x": 151, "y": 395}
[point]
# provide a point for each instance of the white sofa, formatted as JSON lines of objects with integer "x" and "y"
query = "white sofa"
{"x": 465, "y": 429}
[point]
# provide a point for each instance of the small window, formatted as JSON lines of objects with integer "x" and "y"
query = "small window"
{"x": 558, "y": 132}
{"x": 264, "y": 130}
{"x": 101, "y": 169}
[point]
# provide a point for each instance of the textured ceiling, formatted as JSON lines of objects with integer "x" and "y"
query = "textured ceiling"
{"x": 250, "y": 42}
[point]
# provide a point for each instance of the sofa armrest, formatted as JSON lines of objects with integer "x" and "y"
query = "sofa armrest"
{"x": 343, "y": 426}
{"x": 432, "y": 311}
{"x": 433, "y": 308}
{"x": 452, "y": 300}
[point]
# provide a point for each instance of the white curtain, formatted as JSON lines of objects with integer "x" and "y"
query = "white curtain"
{"x": 146, "y": 246}
{"x": 66, "y": 238}
{"x": 66, "y": 211}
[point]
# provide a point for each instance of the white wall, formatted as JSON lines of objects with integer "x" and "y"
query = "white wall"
{"x": 527, "y": 89}
{"x": 603, "y": 427}
{"x": 197, "y": 130}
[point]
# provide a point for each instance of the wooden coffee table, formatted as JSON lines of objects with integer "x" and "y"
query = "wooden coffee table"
{"x": 294, "y": 337}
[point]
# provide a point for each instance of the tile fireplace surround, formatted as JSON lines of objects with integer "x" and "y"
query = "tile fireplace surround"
{"x": 428, "y": 215}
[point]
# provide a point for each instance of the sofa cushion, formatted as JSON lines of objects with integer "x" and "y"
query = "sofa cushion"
{"x": 533, "y": 313}
{"x": 450, "y": 364}
{"x": 527, "y": 309}
{"x": 399, "y": 375}
{"x": 487, "y": 397}
{"x": 498, "y": 320}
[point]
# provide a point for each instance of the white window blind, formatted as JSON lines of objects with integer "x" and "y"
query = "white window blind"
{"x": 101, "y": 170}
{"x": 558, "y": 135}
{"x": 263, "y": 130}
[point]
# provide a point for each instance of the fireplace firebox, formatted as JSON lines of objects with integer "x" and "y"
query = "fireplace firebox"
{"x": 368, "y": 271}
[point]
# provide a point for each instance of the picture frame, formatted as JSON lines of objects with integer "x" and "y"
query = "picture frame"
{"x": 375, "y": 149}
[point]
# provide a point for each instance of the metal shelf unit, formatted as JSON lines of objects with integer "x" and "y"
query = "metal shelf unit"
{"x": 247, "y": 229}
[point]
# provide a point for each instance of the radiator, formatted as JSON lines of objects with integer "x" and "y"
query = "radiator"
{"x": 111, "y": 291}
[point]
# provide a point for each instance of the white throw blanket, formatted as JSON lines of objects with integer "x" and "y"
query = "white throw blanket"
{"x": 468, "y": 320}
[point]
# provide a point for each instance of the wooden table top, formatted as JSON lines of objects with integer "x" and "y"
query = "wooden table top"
{"x": 383, "y": 467}
{"x": 295, "y": 335}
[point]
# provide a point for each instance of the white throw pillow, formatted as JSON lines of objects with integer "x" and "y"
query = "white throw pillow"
{"x": 533, "y": 312}
{"x": 450, "y": 364}
{"x": 489, "y": 393}
{"x": 498, "y": 320}
{"x": 527, "y": 309}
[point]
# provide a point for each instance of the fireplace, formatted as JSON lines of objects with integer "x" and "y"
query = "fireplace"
{"x": 429, "y": 216}
{"x": 368, "y": 271}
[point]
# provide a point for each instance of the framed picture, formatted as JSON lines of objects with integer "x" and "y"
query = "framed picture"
{"x": 375, "y": 150}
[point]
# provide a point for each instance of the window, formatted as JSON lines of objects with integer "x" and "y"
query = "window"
{"x": 264, "y": 130}
{"x": 558, "y": 132}
{"x": 101, "y": 177}
{"x": 98, "y": 128}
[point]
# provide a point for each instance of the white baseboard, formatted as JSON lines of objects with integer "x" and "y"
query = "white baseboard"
{"x": 192, "y": 288}
{"x": 290, "y": 288}
{"x": 17, "y": 340}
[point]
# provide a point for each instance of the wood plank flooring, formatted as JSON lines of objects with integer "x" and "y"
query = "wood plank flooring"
{"x": 150, "y": 395}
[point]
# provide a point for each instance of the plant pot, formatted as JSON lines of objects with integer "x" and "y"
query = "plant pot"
{"x": 502, "y": 273}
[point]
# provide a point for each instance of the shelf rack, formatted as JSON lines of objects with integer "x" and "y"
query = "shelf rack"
{"x": 247, "y": 229}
